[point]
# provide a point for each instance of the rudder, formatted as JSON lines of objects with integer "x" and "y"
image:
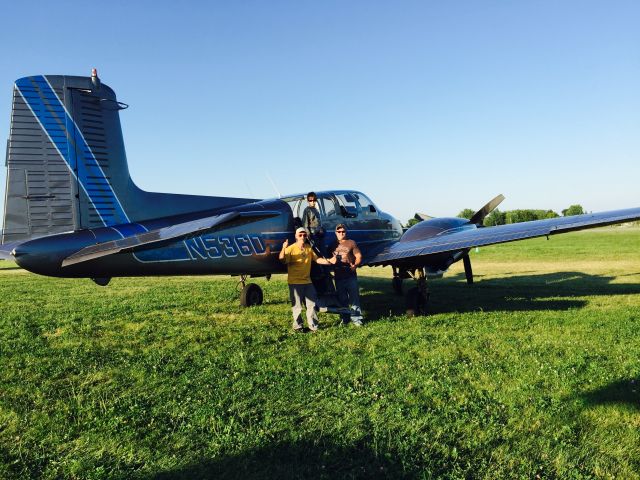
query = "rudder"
{"x": 66, "y": 163}
{"x": 60, "y": 162}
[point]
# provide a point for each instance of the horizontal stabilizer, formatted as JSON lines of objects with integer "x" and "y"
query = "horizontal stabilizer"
{"x": 161, "y": 235}
{"x": 6, "y": 250}
{"x": 5, "y": 255}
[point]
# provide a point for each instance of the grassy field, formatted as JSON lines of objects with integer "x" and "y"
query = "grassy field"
{"x": 532, "y": 372}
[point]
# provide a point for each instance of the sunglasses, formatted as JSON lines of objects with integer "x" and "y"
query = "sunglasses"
{"x": 341, "y": 231}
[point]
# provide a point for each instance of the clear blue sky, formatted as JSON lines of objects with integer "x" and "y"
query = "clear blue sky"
{"x": 425, "y": 106}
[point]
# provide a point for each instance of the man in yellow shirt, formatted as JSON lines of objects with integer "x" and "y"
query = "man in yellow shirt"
{"x": 298, "y": 258}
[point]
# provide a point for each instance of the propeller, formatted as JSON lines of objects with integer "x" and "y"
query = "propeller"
{"x": 479, "y": 216}
{"x": 478, "y": 219}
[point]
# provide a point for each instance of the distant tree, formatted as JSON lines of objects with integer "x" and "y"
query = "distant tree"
{"x": 413, "y": 221}
{"x": 495, "y": 218}
{"x": 466, "y": 213}
{"x": 573, "y": 210}
{"x": 528, "y": 215}
{"x": 518, "y": 216}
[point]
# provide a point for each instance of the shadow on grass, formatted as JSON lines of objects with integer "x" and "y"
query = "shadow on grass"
{"x": 295, "y": 460}
{"x": 622, "y": 392}
{"x": 9, "y": 266}
{"x": 551, "y": 291}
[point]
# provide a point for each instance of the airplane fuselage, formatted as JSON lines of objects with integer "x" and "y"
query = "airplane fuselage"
{"x": 243, "y": 249}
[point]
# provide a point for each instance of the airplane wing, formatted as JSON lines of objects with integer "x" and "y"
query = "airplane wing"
{"x": 469, "y": 237}
{"x": 161, "y": 235}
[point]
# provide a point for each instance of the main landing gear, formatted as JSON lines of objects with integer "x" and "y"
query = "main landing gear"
{"x": 417, "y": 298}
{"x": 251, "y": 293}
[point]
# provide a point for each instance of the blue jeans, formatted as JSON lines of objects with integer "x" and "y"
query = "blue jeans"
{"x": 303, "y": 293}
{"x": 349, "y": 296}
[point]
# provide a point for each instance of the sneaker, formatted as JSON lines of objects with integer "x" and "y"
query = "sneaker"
{"x": 298, "y": 329}
{"x": 313, "y": 329}
{"x": 357, "y": 323}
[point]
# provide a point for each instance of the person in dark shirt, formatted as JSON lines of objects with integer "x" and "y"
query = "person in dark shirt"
{"x": 313, "y": 224}
{"x": 311, "y": 215}
{"x": 348, "y": 259}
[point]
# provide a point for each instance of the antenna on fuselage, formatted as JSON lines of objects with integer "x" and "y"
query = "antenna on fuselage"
{"x": 248, "y": 188}
{"x": 273, "y": 184}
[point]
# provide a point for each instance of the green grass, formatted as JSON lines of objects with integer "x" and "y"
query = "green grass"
{"x": 531, "y": 372}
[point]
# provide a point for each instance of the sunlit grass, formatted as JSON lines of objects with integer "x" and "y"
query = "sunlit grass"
{"x": 533, "y": 370}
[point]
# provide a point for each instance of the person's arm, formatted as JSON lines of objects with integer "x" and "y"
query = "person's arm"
{"x": 323, "y": 260}
{"x": 282, "y": 251}
{"x": 358, "y": 255}
{"x": 326, "y": 261}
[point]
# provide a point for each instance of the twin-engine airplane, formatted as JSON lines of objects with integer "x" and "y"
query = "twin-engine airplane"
{"x": 72, "y": 209}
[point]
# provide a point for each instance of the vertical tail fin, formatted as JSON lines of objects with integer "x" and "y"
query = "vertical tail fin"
{"x": 67, "y": 166}
{"x": 65, "y": 157}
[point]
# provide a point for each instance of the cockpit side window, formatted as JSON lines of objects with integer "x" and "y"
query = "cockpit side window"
{"x": 366, "y": 206}
{"x": 348, "y": 204}
{"x": 296, "y": 204}
{"x": 328, "y": 206}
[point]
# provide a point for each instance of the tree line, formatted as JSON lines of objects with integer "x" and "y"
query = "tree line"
{"x": 498, "y": 217}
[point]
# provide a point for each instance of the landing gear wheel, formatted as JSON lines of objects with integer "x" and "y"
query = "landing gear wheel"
{"x": 396, "y": 283}
{"x": 102, "y": 281}
{"x": 251, "y": 295}
{"x": 417, "y": 301}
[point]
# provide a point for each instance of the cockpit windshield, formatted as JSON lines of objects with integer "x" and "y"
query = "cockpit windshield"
{"x": 334, "y": 206}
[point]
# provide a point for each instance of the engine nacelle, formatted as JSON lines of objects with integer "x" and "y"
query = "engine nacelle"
{"x": 436, "y": 265}
{"x": 435, "y": 226}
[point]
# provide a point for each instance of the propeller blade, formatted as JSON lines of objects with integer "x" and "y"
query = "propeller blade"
{"x": 468, "y": 272}
{"x": 478, "y": 217}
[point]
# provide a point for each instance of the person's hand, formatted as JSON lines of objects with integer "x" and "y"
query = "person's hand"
{"x": 285, "y": 244}
{"x": 353, "y": 267}
{"x": 333, "y": 260}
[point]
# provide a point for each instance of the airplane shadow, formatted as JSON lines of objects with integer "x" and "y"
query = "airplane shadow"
{"x": 549, "y": 291}
{"x": 622, "y": 392}
{"x": 302, "y": 459}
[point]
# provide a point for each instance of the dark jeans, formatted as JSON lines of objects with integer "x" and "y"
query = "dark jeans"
{"x": 349, "y": 296}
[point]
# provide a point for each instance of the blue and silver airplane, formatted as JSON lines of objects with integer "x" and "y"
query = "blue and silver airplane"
{"x": 72, "y": 210}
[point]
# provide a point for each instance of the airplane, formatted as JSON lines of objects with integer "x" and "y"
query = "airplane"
{"x": 72, "y": 209}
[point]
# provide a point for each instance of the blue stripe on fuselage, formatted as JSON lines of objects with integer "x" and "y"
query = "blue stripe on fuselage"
{"x": 130, "y": 229}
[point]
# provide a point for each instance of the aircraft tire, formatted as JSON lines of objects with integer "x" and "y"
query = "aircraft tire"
{"x": 102, "y": 281}
{"x": 416, "y": 303}
{"x": 396, "y": 283}
{"x": 251, "y": 295}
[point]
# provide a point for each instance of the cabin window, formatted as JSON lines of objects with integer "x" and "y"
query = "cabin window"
{"x": 328, "y": 206}
{"x": 366, "y": 206}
